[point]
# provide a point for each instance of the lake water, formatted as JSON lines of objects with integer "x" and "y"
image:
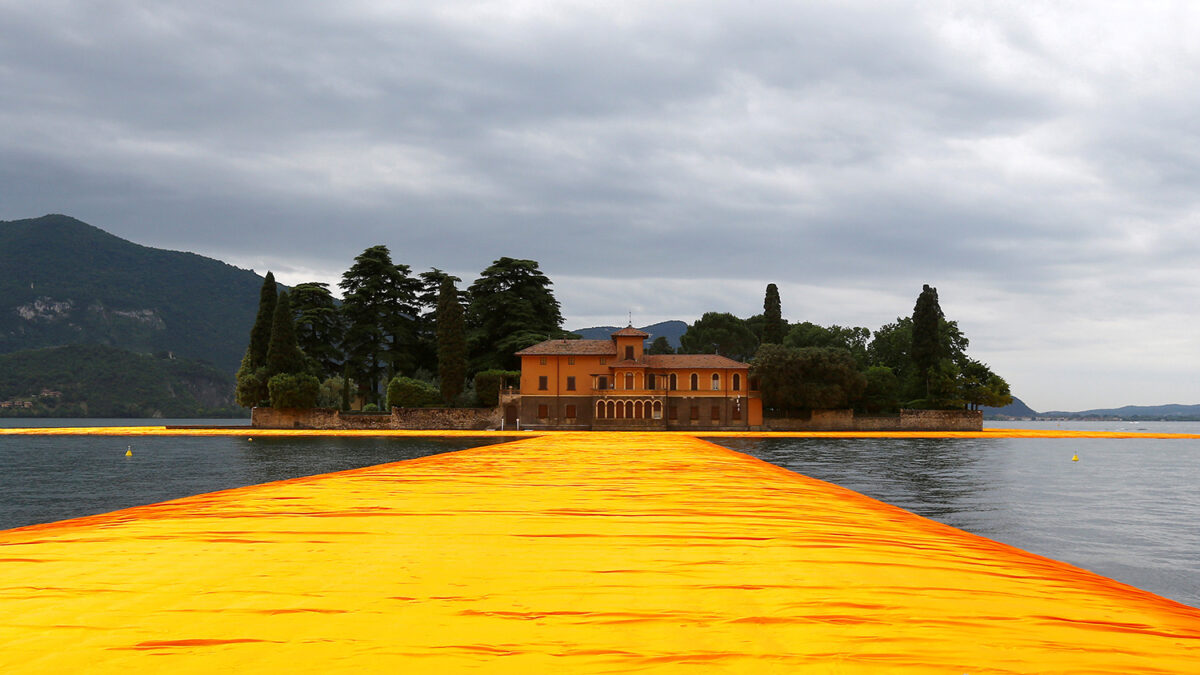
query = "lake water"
{"x": 1127, "y": 509}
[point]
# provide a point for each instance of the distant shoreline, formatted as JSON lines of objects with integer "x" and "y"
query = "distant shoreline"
{"x": 244, "y": 431}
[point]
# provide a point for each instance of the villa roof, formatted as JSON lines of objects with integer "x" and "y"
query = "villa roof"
{"x": 608, "y": 348}
{"x": 630, "y": 331}
{"x": 571, "y": 348}
{"x": 674, "y": 361}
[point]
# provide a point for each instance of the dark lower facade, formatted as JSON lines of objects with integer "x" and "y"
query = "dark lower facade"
{"x": 618, "y": 412}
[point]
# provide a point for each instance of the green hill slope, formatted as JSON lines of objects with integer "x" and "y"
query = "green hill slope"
{"x": 101, "y": 381}
{"x": 63, "y": 281}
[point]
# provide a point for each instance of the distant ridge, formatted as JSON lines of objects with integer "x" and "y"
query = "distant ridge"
{"x": 1015, "y": 409}
{"x": 672, "y": 330}
{"x": 63, "y": 282}
{"x": 1173, "y": 411}
{"x": 1141, "y": 412}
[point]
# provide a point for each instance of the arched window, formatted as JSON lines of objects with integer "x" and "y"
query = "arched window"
{"x": 600, "y": 410}
{"x": 611, "y": 410}
{"x": 638, "y": 413}
{"x": 629, "y": 409}
{"x": 737, "y": 381}
{"x": 620, "y": 410}
{"x": 629, "y": 380}
{"x": 716, "y": 382}
{"x": 658, "y": 410}
{"x": 674, "y": 382}
{"x": 695, "y": 382}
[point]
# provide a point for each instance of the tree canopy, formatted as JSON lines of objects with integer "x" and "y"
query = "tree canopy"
{"x": 318, "y": 327}
{"x": 852, "y": 340}
{"x": 511, "y": 305}
{"x": 808, "y": 378}
{"x": 660, "y": 345}
{"x": 719, "y": 333}
{"x": 379, "y": 310}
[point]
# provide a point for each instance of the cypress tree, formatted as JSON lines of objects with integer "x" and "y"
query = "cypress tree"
{"x": 451, "y": 341}
{"x": 283, "y": 354}
{"x": 251, "y": 375}
{"x": 926, "y": 342}
{"x": 260, "y": 334}
{"x": 772, "y": 332}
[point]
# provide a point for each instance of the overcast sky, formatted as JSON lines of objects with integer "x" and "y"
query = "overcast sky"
{"x": 1039, "y": 162}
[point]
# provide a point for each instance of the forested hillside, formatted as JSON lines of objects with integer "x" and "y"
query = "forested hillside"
{"x": 101, "y": 381}
{"x": 63, "y": 281}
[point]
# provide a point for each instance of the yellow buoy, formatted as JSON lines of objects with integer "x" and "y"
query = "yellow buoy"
{"x": 1074, "y": 458}
{"x": 129, "y": 451}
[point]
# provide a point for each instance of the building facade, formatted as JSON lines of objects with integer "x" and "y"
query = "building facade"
{"x": 614, "y": 384}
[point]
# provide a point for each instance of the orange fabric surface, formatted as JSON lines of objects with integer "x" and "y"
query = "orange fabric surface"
{"x": 585, "y": 552}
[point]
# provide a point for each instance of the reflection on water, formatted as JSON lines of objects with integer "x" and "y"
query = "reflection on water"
{"x": 1128, "y": 509}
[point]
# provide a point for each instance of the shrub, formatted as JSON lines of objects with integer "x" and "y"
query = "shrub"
{"x": 489, "y": 382}
{"x": 293, "y": 391}
{"x": 407, "y": 392}
{"x": 330, "y": 394}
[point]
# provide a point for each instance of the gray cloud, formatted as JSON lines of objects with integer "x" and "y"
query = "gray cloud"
{"x": 1034, "y": 161}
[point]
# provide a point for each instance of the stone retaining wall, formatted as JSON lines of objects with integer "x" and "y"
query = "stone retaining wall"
{"x": 907, "y": 420}
{"x": 399, "y": 418}
{"x": 446, "y": 418}
{"x": 490, "y": 418}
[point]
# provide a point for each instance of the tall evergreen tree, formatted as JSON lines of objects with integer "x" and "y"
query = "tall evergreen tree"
{"x": 260, "y": 334}
{"x": 283, "y": 354}
{"x": 451, "y": 341}
{"x": 512, "y": 307}
{"x": 318, "y": 327}
{"x": 379, "y": 309}
{"x": 426, "y": 353}
{"x": 773, "y": 325}
{"x": 926, "y": 339}
{"x": 252, "y": 374}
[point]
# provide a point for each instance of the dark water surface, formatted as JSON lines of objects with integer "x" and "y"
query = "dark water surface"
{"x": 1129, "y": 509}
{"x": 49, "y": 478}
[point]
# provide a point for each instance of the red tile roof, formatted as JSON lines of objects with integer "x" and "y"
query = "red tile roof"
{"x": 608, "y": 348}
{"x": 571, "y": 348}
{"x": 679, "y": 361}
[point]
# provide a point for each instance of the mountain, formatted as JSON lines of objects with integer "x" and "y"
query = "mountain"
{"x": 1173, "y": 411}
{"x": 1136, "y": 412}
{"x": 63, "y": 281}
{"x": 102, "y": 381}
{"x": 1015, "y": 409}
{"x": 672, "y": 330}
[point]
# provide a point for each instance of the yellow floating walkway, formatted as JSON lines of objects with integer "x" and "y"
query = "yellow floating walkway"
{"x": 565, "y": 553}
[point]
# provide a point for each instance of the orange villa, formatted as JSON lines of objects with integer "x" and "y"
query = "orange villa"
{"x": 614, "y": 384}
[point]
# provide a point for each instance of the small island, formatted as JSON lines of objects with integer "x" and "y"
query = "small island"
{"x": 496, "y": 357}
